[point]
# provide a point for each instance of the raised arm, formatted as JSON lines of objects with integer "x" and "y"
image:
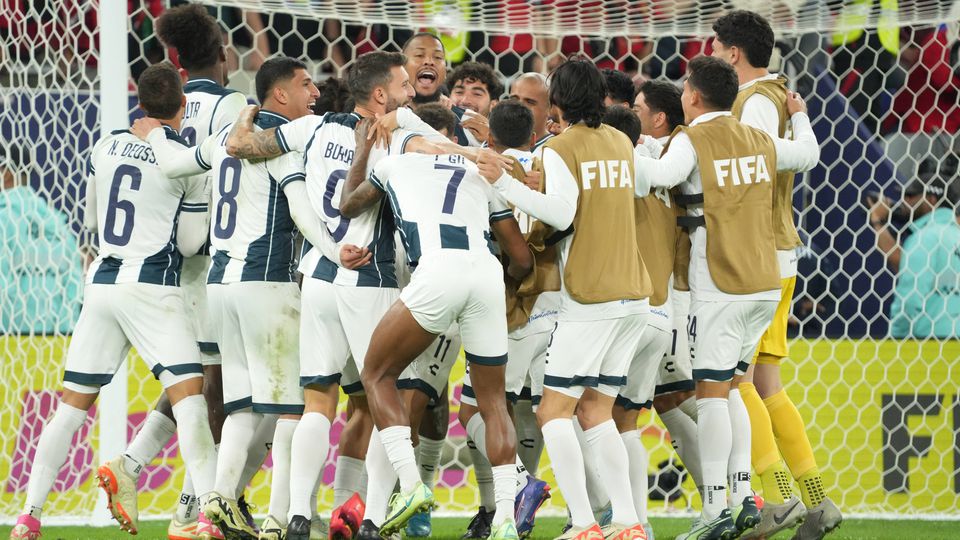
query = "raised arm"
{"x": 670, "y": 170}
{"x": 176, "y": 160}
{"x": 358, "y": 194}
{"x": 803, "y": 152}
{"x": 557, "y": 207}
{"x": 245, "y": 143}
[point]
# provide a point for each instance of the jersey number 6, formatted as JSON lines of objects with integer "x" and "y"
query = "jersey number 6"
{"x": 116, "y": 204}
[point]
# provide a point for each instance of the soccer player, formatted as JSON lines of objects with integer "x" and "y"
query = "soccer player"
{"x": 588, "y": 177}
{"x": 511, "y": 134}
{"x": 531, "y": 90}
{"x": 733, "y": 278}
{"x": 746, "y": 41}
{"x": 660, "y": 111}
{"x": 133, "y": 297}
{"x": 196, "y": 37}
{"x": 252, "y": 281}
{"x": 438, "y": 203}
{"x": 620, "y": 89}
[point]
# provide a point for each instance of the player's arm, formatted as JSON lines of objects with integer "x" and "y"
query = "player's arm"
{"x": 192, "y": 229}
{"x": 177, "y": 160}
{"x": 803, "y": 152}
{"x": 556, "y": 207}
{"x": 246, "y": 143}
{"x": 90, "y": 209}
{"x": 358, "y": 195}
{"x": 761, "y": 113}
{"x": 308, "y": 222}
{"x": 505, "y": 228}
{"x": 670, "y": 170}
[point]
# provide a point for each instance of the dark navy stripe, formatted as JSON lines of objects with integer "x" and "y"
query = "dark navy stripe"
{"x": 503, "y": 214}
{"x": 453, "y": 237}
{"x": 107, "y": 270}
{"x": 350, "y": 389}
{"x": 237, "y": 405}
{"x": 713, "y": 374}
{"x": 88, "y": 379}
{"x": 218, "y": 266}
{"x": 525, "y": 394}
{"x": 163, "y": 267}
{"x": 403, "y": 145}
{"x": 419, "y": 384}
{"x": 207, "y": 86}
{"x": 632, "y": 405}
{"x": 292, "y": 178}
{"x": 409, "y": 234}
{"x": 325, "y": 270}
{"x": 567, "y": 382}
{"x": 270, "y": 408}
{"x": 179, "y": 369}
{"x": 213, "y": 116}
{"x": 612, "y": 380}
{"x": 536, "y": 400}
{"x": 513, "y": 397}
{"x": 90, "y": 169}
{"x": 199, "y": 159}
{"x": 172, "y": 135}
{"x": 382, "y": 271}
{"x": 208, "y": 347}
{"x": 467, "y": 391}
{"x": 194, "y": 209}
{"x": 678, "y": 386}
{"x": 540, "y": 142}
{"x": 271, "y": 257}
{"x": 268, "y": 119}
{"x": 742, "y": 366}
{"x": 486, "y": 360}
{"x": 320, "y": 380}
{"x": 282, "y": 142}
{"x": 377, "y": 183}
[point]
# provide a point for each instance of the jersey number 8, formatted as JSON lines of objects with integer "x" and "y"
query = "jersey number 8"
{"x": 228, "y": 198}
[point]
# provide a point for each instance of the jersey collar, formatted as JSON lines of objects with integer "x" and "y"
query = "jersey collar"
{"x": 269, "y": 119}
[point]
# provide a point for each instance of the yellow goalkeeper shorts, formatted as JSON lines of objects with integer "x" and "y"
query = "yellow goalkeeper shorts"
{"x": 774, "y": 340}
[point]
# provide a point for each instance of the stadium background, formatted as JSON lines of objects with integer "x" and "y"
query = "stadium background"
{"x": 884, "y": 415}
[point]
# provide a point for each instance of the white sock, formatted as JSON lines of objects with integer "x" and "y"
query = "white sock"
{"x": 364, "y": 480}
{"x": 596, "y": 491}
{"x": 561, "y": 441}
{"x": 196, "y": 443}
{"x": 738, "y": 467}
{"x": 257, "y": 452}
{"x": 381, "y": 479}
{"x": 346, "y": 481}
{"x": 396, "y": 442}
{"x": 187, "y": 507}
{"x": 280, "y": 479}
{"x": 313, "y": 495}
{"x": 504, "y": 488}
{"x": 639, "y": 463}
{"x": 714, "y": 439}
{"x": 683, "y": 434}
{"x": 529, "y": 438}
{"x": 238, "y": 431}
{"x": 484, "y": 474}
{"x": 689, "y": 407}
{"x": 613, "y": 467}
{"x": 148, "y": 442}
{"x": 308, "y": 451}
{"x": 428, "y": 460}
{"x": 52, "y": 450}
{"x": 522, "y": 474}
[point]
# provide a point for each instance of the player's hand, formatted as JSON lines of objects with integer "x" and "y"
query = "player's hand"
{"x": 143, "y": 126}
{"x": 247, "y": 115}
{"x": 554, "y": 127}
{"x": 478, "y": 124}
{"x": 383, "y": 127}
{"x": 353, "y": 257}
{"x": 445, "y": 101}
{"x": 532, "y": 180}
{"x": 492, "y": 165}
{"x": 364, "y": 136}
{"x": 795, "y": 104}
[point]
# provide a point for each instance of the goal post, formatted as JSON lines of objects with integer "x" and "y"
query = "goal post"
{"x": 883, "y": 413}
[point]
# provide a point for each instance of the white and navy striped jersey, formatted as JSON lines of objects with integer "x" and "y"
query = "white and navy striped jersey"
{"x": 137, "y": 211}
{"x": 537, "y": 149}
{"x": 439, "y": 202}
{"x": 328, "y": 144}
{"x": 251, "y": 231}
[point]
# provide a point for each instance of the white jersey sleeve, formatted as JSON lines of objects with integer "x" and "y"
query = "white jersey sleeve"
{"x": 297, "y": 135}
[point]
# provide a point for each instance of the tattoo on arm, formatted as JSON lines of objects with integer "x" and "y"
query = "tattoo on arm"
{"x": 248, "y": 145}
{"x": 365, "y": 196}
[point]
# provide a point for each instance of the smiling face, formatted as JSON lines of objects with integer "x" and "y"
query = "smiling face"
{"x": 301, "y": 94}
{"x": 426, "y": 66}
{"x": 472, "y": 94}
{"x": 399, "y": 91}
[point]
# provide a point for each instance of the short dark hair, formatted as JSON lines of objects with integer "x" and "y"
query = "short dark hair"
{"x": 578, "y": 89}
{"x": 748, "y": 31}
{"x": 664, "y": 96}
{"x": 334, "y": 96}
{"x": 274, "y": 70}
{"x": 511, "y": 124}
{"x": 625, "y": 120}
{"x": 437, "y": 116}
{"x": 193, "y": 33}
{"x": 716, "y": 81}
{"x": 371, "y": 70}
{"x": 619, "y": 86}
{"x": 160, "y": 90}
{"x": 420, "y": 35}
{"x": 475, "y": 71}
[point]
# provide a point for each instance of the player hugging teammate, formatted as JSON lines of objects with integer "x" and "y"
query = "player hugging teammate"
{"x": 572, "y": 264}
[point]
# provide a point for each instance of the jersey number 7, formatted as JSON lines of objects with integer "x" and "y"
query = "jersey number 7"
{"x": 451, "y": 196}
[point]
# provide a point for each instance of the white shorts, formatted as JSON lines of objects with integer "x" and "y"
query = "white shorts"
{"x": 153, "y": 318}
{"x": 637, "y": 393}
{"x": 592, "y": 354}
{"x": 193, "y": 281}
{"x": 430, "y": 372}
{"x": 676, "y": 373}
{"x": 526, "y": 358}
{"x": 465, "y": 287}
{"x": 335, "y": 331}
{"x": 260, "y": 340}
{"x": 724, "y": 335}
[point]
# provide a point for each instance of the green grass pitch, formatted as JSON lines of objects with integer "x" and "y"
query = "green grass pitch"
{"x": 665, "y": 529}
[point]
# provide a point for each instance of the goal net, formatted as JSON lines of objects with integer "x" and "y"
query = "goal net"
{"x": 881, "y": 79}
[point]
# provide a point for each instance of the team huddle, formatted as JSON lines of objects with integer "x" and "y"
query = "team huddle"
{"x": 594, "y": 250}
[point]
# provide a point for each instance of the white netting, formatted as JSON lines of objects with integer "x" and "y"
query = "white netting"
{"x": 882, "y": 84}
